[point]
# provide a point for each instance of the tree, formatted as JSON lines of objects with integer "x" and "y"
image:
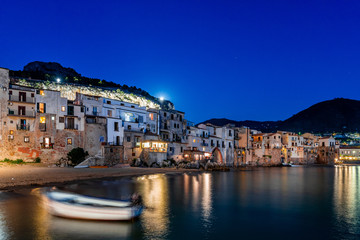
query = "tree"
{"x": 77, "y": 155}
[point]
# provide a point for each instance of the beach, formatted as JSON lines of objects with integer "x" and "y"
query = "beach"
{"x": 22, "y": 176}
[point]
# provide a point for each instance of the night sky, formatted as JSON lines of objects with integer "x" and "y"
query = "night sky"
{"x": 256, "y": 60}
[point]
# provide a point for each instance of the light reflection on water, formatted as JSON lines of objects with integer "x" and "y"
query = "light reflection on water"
{"x": 313, "y": 203}
{"x": 347, "y": 200}
{"x": 154, "y": 189}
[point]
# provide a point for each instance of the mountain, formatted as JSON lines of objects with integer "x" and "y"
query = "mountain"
{"x": 266, "y": 126}
{"x": 337, "y": 115}
{"x": 50, "y": 71}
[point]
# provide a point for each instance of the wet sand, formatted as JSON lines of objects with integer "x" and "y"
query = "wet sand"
{"x": 21, "y": 176}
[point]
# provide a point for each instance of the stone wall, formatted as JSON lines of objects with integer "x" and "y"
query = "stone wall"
{"x": 151, "y": 157}
{"x": 326, "y": 155}
{"x": 94, "y": 132}
{"x": 113, "y": 155}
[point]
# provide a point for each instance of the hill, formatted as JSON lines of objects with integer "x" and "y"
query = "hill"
{"x": 265, "y": 126}
{"x": 337, "y": 115}
{"x": 49, "y": 71}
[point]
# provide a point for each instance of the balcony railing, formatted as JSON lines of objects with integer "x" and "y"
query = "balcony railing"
{"x": 16, "y": 98}
{"x": 71, "y": 126}
{"x": 46, "y": 146}
{"x": 30, "y": 114}
{"x": 25, "y": 127}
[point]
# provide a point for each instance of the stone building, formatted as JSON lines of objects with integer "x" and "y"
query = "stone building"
{"x": 173, "y": 131}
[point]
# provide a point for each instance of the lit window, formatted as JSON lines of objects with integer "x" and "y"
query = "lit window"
{"x": 42, "y": 92}
{"x": 42, "y": 119}
{"x": 151, "y": 116}
{"x": 69, "y": 141}
{"x": 11, "y": 132}
{"x": 194, "y": 141}
{"x": 41, "y": 107}
{"x": 26, "y": 139}
{"x": 63, "y": 109}
{"x": 53, "y": 118}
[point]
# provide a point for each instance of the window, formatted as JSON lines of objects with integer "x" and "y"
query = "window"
{"x": 121, "y": 104}
{"x": 181, "y": 149}
{"x": 32, "y": 95}
{"x": 26, "y": 139}
{"x": 63, "y": 108}
{"x": 46, "y": 143}
{"x": 164, "y": 114}
{"x": 180, "y": 118}
{"x": 42, "y": 119}
{"x": 69, "y": 141}
{"x": 174, "y": 125}
{"x": 132, "y": 106}
{"x": 11, "y": 137}
{"x": 128, "y": 139}
{"x": 41, "y": 107}
{"x": 11, "y": 132}
{"x": 129, "y": 127}
{"x": 172, "y": 116}
{"x": 108, "y": 102}
{"x": 151, "y": 116}
{"x": 109, "y": 113}
{"x": 61, "y": 119}
{"x": 52, "y": 118}
{"x": 70, "y": 110}
{"x": 194, "y": 141}
{"x": 10, "y": 92}
{"x": 42, "y": 93}
{"x": 141, "y": 119}
{"x": 116, "y": 126}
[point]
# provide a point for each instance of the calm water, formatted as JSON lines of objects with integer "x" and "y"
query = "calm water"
{"x": 286, "y": 203}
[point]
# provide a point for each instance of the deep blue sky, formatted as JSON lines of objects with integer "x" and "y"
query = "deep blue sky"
{"x": 257, "y": 60}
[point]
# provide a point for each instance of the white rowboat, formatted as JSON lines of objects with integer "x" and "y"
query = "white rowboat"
{"x": 71, "y": 205}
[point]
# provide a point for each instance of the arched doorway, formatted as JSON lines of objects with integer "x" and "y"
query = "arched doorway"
{"x": 217, "y": 157}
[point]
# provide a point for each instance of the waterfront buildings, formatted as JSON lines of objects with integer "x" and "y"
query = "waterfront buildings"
{"x": 47, "y": 123}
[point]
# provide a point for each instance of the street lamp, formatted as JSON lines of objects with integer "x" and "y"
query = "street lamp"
{"x": 161, "y": 98}
{"x": 58, "y": 80}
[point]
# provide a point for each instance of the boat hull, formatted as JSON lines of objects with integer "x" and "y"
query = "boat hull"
{"x": 90, "y": 212}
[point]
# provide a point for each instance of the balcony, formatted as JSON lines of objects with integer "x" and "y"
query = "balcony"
{"x": 204, "y": 144}
{"x": 16, "y": 98}
{"x": 71, "y": 126}
{"x": 93, "y": 113}
{"x": 16, "y": 113}
{"x": 113, "y": 143}
{"x": 24, "y": 127}
{"x": 46, "y": 146}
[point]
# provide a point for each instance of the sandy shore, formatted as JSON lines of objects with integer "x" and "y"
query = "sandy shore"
{"x": 20, "y": 176}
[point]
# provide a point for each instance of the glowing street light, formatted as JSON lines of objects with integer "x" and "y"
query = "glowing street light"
{"x": 58, "y": 80}
{"x": 161, "y": 98}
